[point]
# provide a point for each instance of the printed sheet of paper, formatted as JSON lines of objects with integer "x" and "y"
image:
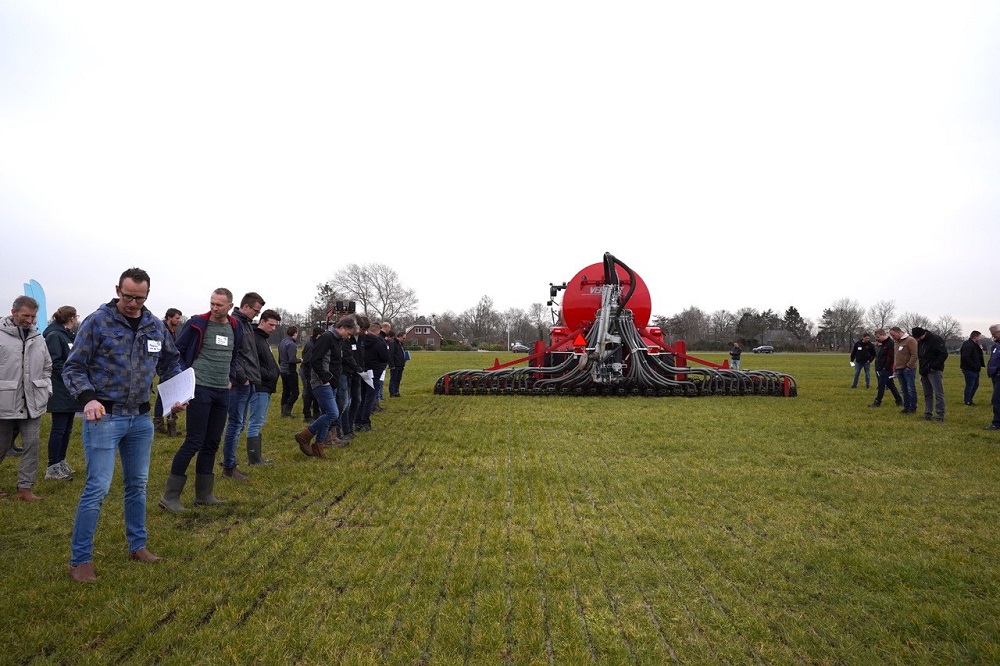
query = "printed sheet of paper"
{"x": 367, "y": 376}
{"x": 179, "y": 388}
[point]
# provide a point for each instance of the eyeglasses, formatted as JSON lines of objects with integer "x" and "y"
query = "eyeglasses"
{"x": 129, "y": 298}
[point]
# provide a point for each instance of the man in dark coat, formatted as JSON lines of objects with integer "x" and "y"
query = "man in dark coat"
{"x": 972, "y": 364}
{"x": 862, "y": 355}
{"x": 932, "y": 354}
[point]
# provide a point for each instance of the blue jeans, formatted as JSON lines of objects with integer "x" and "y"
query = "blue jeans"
{"x": 971, "y": 385}
{"x": 206, "y": 419}
{"x": 239, "y": 399}
{"x": 908, "y": 387}
{"x": 259, "y": 402}
{"x": 857, "y": 373}
{"x": 344, "y": 404}
{"x": 132, "y": 438}
{"x": 327, "y": 400}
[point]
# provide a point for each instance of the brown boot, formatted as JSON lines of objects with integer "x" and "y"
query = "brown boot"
{"x": 83, "y": 573}
{"x": 160, "y": 425}
{"x": 144, "y": 556}
{"x": 333, "y": 441}
{"x": 234, "y": 474}
{"x": 317, "y": 450}
{"x": 25, "y": 495}
{"x": 304, "y": 437}
{"x": 172, "y": 430}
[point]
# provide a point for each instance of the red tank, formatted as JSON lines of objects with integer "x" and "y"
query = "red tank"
{"x": 582, "y": 298}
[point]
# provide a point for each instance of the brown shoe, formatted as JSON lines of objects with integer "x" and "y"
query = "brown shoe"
{"x": 304, "y": 437}
{"x": 144, "y": 556}
{"x": 317, "y": 450}
{"x": 333, "y": 441}
{"x": 83, "y": 573}
{"x": 235, "y": 474}
{"x": 25, "y": 495}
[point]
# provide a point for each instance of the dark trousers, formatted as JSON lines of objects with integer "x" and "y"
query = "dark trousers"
{"x": 289, "y": 388}
{"x": 996, "y": 401}
{"x": 370, "y": 398}
{"x": 62, "y": 428}
{"x": 971, "y": 385}
{"x": 358, "y": 387}
{"x": 310, "y": 407}
{"x": 395, "y": 376}
{"x": 885, "y": 382}
{"x": 206, "y": 419}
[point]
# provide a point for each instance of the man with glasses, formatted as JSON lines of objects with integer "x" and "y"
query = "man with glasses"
{"x": 110, "y": 371}
{"x": 247, "y": 376}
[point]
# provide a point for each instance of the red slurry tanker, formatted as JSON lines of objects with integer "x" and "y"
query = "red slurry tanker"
{"x": 605, "y": 346}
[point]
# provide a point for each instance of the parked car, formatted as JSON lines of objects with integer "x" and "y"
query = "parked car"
{"x": 519, "y": 348}
{"x": 763, "y": 349}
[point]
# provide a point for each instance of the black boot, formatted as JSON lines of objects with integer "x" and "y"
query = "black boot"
{"x": 286, "y": 411}
{"x": 204, "y": 485}
{"x": 253, "y": 452}
{"x": 171, "y": 498}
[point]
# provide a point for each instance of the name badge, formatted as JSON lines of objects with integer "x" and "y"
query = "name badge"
{"x": 354, "y": 348}
{"x": 900, "y": 347}
{"x": 222, "y": 340}
{"x": 153, "y": 346}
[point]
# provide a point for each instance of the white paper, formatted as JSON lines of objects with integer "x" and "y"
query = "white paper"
{"x": 367, "y": 376}
{"x": 179, "y": 388}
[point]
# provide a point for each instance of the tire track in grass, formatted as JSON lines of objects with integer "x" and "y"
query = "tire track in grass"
{"x": 474, "y": 592}
{"x": 581, "y": 611}
{"x": 613, "y": 602}
{"x": 300, "y": 518}
{"x": 643, "y": 594}
{"x": 429, "y": 537}
{"x": 540, "y": 570}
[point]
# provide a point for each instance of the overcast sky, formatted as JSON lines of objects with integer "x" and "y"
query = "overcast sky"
{"x": 734, "y": 154}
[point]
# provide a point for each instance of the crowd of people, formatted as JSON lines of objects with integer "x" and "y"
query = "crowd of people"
{"x": 105, "y": 366}
{"x": 902, "y": 357}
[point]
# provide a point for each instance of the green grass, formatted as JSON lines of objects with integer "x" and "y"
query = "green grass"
{"x": 476, "y": 529}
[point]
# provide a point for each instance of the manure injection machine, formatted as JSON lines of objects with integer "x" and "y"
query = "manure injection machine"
{"x": 605, "y": 346}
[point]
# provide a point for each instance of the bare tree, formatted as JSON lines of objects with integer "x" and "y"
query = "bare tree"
{"x": 376, "y": 289}
{"x": 910, "y": 320}
{"x": 481, "y": 323}
{"x": 882, "y": 315}
{"x": 722, "y": 326}
{"x": 842, "y": 323}
{"x": 948, "y": 328}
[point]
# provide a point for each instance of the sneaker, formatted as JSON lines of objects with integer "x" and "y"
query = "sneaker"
{"x": 56, "y": 472}
{"x": 875, "y": 404}
{"x": 66, "y": 468}
{"x": 992, "y": 427}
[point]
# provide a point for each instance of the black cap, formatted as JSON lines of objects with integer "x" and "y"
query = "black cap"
{"x": 917, "y": 332}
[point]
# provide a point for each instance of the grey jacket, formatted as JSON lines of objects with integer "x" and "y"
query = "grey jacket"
{"x": 25, "y": 372}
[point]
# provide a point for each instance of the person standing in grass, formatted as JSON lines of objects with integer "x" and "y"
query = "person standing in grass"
{"x": 883, "y": 369}
{"x": 247, "y": 376}
{"x": 326, "y": 365}
{"x": 993, "y": 372}
{"x": 735, "y": 354}
{"x": 207, "y": 343}
{"x": 310, "y": 409}
{"x": 110, "y": 370}
{"x": 63, "y": 406}
{"x": 862, "y": 353}
{"x": 397, "y": 363}
{"x": 905, "y": 365}
{"x": 261, "y": 400}
{"x": 26, "y": 377}
{"x": 287, "y": 360}
{"x": 932, "y": 354}
{"x": 971, "y": 362}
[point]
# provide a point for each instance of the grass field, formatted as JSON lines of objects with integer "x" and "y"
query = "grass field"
{"x": 475, "y": 529}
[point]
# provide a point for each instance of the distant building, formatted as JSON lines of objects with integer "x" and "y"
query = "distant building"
{"x": 423, "y": 334}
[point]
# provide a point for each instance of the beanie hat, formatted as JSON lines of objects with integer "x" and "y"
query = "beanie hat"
{"x": 917, "y": 332}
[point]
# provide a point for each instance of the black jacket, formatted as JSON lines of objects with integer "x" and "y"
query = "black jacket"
{"x": 59, "y": 340}
{"x": 932, "y": 353}
{"x": 863, "y": 352}
{"x": 971, "y": 356}
{"x": 885, "y": 355}
{"x": 326, "y": 359}
{"x": 268, "y": 366}
{"x": 376, "y": 354}
{"x": 397, "y": 355}
{"x": 351, "y": 355}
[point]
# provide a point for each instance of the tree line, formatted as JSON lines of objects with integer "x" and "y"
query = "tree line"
{"x": 377, "y": 291}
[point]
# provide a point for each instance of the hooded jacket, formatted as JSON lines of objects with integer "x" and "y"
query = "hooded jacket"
{"x": 247, "y": 365}
{"x": 25, "y": 372}
{"x": 932, "y": 353}
{"x": 268, "y": 366}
